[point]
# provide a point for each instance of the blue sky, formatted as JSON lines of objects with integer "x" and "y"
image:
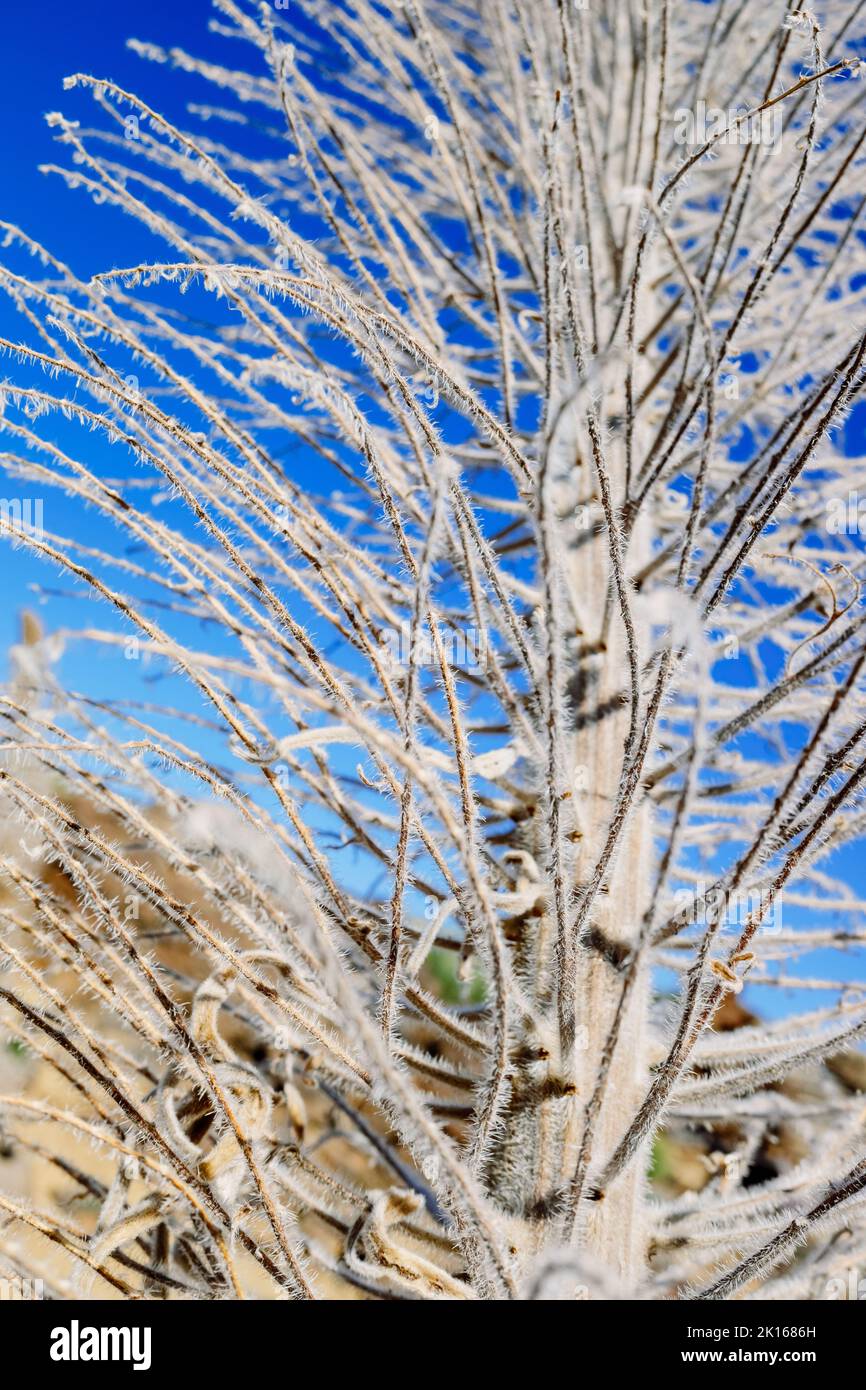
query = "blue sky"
{"x": 42, "y": 44}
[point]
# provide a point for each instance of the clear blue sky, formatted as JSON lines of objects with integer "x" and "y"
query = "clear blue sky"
{"x": 42, "y": 44}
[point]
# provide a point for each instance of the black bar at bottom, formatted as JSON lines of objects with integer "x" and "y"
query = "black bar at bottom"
{"x": 260, "y": 1338}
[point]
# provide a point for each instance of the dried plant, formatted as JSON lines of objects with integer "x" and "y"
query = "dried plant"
{"x": 483, "y": 544}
